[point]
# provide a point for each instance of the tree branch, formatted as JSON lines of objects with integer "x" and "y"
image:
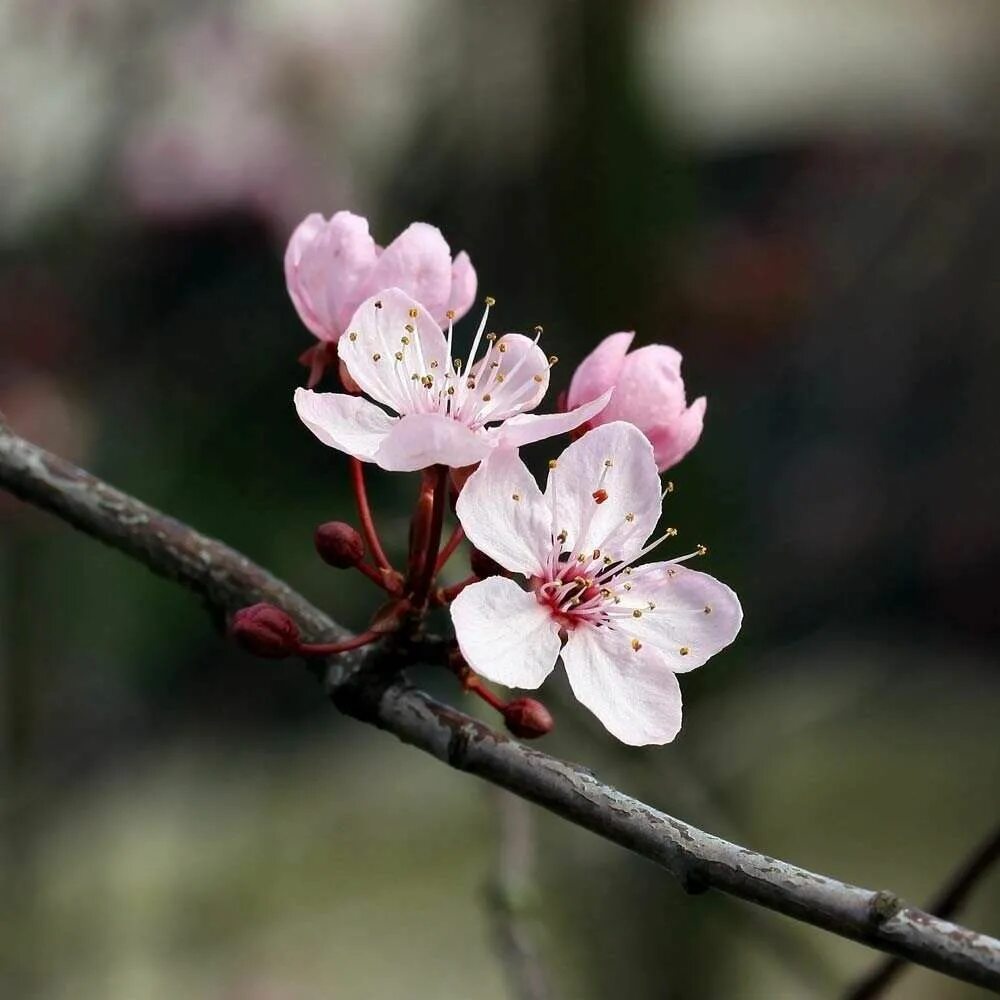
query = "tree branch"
{"x": 376, "y": 694}
{"x": 949, "y": 900}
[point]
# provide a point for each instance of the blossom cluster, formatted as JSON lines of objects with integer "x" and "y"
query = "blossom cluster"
{"x": 557, "y": 573}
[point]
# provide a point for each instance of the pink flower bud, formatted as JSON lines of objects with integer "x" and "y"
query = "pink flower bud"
{"x": 265, "y": 630}
{"x": 332, "y": 266}
{"x": 648, "y": 392}
{"x": 527, "y": 718}
{"x": 483, "y": 566}
{"x": 338, "y": 544}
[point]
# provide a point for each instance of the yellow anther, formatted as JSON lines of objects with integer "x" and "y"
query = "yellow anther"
{"x": 470, "y": 383}
{"x": 451, "y": 390}
{"x": 376, "y": 357}
{"x": 399, "y": 355}
{"x": 562, "y": 536}
{"x": 684, "y": 651}
{"x": 630, "y": 517}
{"x": 352, "y": 336}
{"x": 670, "y": 532}
{"x": 408, "y": 328}
{"x": 499, "y": 377}
{"x": 502, "y": 348}
{"x": 553, "y": 360}
{"x": 636, "y": 645}
{"x": 552, "y": 463}
{"x": 637, "y": 613}
{"x": 515, "y": 496}
{"x": 434, "y": 364}
{"x": 581, "y": 558}
{"x": 486, "y": 397}
{"x": 702, "y": 550}
{"x": 596, "y": 554}
{"x": 490, "y": 301}
{"x": 626, "y": 586}
{"x": 539, "y": 330}
{"x": 669, "y": 488}
{"x": 404, "y": 341}
{"x": 413, "y": 312}
{"x": 539, "y": 378}
{"x": 491, "y": 337}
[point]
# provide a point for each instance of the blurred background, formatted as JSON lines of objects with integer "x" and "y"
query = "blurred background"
{"x": 803, "y": 198}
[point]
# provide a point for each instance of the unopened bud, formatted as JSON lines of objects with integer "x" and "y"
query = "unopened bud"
{"x": 265, "y": 630}
{"x": 527, "y": 718}
{"x": 338, "y": 544}
{"x": 483, "y": 566}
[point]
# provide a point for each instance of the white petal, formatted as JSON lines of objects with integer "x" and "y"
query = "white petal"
{"x": 425, "y": 439}
{"x": 504, "y": 514}
{"x": 348, "y": 423}
{"x": 619, "y": 524}
{"x": 504, "y": 633}
{"x": 693, "y": 611}
{"x": 520, "y": 362}
{"x": 526, "y": 428}
{"x": 634, "y": 693}
{"x": 382, "y": 355}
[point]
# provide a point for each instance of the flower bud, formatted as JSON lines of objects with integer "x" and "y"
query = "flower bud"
{"x": 338, "y": 544}
{"x": 483, "y": 566}
{"x": 649, "y": 392}
{"x": 527, "y": 718}
{"x": 265, "y": 630}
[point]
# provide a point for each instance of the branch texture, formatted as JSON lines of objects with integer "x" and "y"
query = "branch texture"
{"x": 376, "y": 694}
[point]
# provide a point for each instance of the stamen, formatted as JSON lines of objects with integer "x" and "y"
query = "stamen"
{"x": 413, "y": 312}
{"x": 352, "y": 336}
{"x": 636, "y": 645}
{"x": 684, "y": 650}
{"x": 515, "y": 496}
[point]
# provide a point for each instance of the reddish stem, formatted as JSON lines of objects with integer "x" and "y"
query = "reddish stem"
{"x": 329, "y": 648}
{"x": 365, "y": 514}
{"x": 447, "y": 594}
{"x": 449, "y": 547}
{"x": 376, "y": 576}
{"x": 477, "y": 687}
{"x": 427, "y": 535}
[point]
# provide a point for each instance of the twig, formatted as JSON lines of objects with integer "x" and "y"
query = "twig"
{"x": 228, "y": 580}
{"x": 949, "y": 900}
{"x": 511, "y": 897}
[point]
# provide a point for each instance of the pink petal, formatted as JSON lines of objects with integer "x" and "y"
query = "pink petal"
{"x": 679, "y": 619}
{"x": 599, "y": 370}
{"x": 626, "y": 517}
{"x": 649, "y": 390}
{"x": 463, "y": 286}
{"x": 504, "y": 633}
{"x": 526, "y": 428}
{"x": 326, "y": 265}
{"x": 516, "y": 533}
{"x": 673, "y": 441}
{"x": 375, "y": 336}
{"x": 419, "y": 262}
{"x": 520, "y": 362}
{"x": 348, "y": 423}
{"x": 634, "y": 693}
{"x": 424, "y": 439}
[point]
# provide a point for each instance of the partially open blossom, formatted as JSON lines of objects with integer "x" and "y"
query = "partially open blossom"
{"x": 332, "y": 266}
{"x": 445, "y": 411}
{"x": 649, "y": 392}
{"x": 623, "y": 631}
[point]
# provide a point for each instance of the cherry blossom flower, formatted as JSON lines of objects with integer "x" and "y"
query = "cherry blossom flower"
{"x": 649, "y": 392}
{"x": 623, "y": 631}
{"x": 445, "y": 411}
{"x": 332, "y": 266}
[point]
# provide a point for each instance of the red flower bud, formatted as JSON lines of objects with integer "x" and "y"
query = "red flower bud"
{"x": 527, "y": 718}
{"x": 483, "y": 566}
{"x": 339, "y": 544}
{"x": 265, "y": 630}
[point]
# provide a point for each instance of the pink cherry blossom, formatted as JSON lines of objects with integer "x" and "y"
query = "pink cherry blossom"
{"x": 444, "y": 411}
{"x": 332, "y": 266}
{"x": 623, "y": 631}
{"x": 649, "y": 392}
